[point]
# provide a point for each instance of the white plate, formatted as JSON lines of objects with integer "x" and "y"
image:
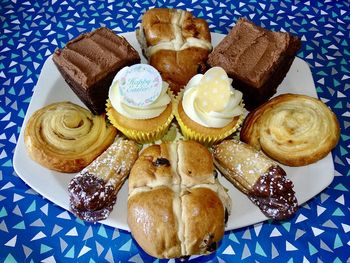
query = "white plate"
{"x": 51, "y": 87}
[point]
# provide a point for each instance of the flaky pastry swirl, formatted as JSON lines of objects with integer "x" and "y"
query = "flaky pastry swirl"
{"x": 293, "y": 129}
{"x": 66, "y": 137}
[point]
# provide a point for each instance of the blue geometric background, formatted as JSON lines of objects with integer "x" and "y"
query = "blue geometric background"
{"x": 33, "y": 229}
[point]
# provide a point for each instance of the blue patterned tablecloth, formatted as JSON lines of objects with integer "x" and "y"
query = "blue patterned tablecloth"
{"x": 33, "y": 229}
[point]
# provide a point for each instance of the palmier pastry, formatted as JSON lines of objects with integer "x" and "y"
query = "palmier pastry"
{"x": 176, "y": 206}
{"x": 293, "y": 129}
{"x": 175, "y": 43}
{"x": 66, "y": 137}
{"x": 93, "y": 192}
{"x": 257, "y": 176}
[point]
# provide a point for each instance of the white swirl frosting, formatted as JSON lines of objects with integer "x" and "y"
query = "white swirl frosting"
{"x": 201, "y": 88}
{"x": 148, "y": 111}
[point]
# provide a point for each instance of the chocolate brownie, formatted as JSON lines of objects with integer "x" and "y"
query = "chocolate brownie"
{"x": 89, "y": 63}
{"x": 256, "y": 59}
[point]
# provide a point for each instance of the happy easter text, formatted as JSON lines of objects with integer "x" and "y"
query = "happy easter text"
{"x": 137, "y": 85}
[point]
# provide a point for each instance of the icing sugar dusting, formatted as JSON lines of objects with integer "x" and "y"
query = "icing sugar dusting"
{"x": 91, "y": 198}
{"x": 259, "y": 177}
{"x": 93, "y": 192}
{"x": 273, "y": 193}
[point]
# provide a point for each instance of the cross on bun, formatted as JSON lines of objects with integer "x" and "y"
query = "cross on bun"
{"x": 176, "y": 43}
{"x": 176, "y": 206}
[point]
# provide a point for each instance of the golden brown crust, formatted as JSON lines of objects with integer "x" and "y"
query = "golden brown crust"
{"x": 195, "y": 164}
{"x": 158, "y": 25}
{"x": 164, "y": 199}
{"x": 115, "y": 163}
{"x": 178, "y": 67}
{"x": 293, "y": 129}
{"x": 66, "y": 137}
{"x": 146, "y": 172}
{"x": 176, "y": 43}
{"x": 94, "y": 190}
{"x": 200, "y": 208}
{"x": 261, "y": 179}
{"x": 153, "y": 222}
{"x": 231, "y": 154}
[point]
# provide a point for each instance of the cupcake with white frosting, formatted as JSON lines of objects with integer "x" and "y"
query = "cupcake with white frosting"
{"x": 139, "y": 104}
{"x": 209, "y": 109}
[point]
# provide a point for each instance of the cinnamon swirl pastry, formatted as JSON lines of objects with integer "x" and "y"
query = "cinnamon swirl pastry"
{"x": 66, "y": 137}
{"x": 293, "y": 129}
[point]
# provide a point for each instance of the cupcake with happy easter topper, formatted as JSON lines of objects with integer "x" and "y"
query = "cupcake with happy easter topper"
{"x": 139, "y": 104}
{"x": 209, "y": 109}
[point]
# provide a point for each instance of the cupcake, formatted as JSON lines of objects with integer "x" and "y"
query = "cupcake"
{"x": 139, "y": 104}
{"x": 209, "y": 109}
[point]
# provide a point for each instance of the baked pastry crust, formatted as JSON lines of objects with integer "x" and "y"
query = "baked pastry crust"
{"x": 293, "y": 129}
{"x": 155, "y": 228}
{"x": 66, "y": 137}
{"x": 176, "y": 207}
{"x": 175, "y": 43}
{"x": 93, "y": 191}
{"x": 257, "y": 176}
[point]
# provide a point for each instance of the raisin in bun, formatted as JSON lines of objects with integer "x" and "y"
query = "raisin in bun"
{"x": 176, "y": 206}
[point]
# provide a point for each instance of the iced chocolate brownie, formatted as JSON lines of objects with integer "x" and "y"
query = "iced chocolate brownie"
{"x": 89, "y": 63}
{"x": 256, "y": 59}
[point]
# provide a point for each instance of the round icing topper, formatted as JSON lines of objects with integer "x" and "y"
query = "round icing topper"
{"x": 214, "y": 90}
{"x": 140, "y": 85}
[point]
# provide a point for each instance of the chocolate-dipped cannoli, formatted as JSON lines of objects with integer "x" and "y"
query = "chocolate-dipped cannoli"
{"x": 257, "y": 176}
{"x": 93, "y": 192}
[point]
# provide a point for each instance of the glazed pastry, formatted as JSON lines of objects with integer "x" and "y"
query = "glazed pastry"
{"x": 292, "y": 129}
{"x": 93, "y": 192}
{"x": 209, "y": 109}
{"x": 257, "y": 176}
{"x": 175, "y": 43}
{"x": 142, "y": 111}
{"x": 66, "y": 137}
{"x": 256, "y": 59}
{"x": 89, "y": 63}
{"x": 176, "y": 206}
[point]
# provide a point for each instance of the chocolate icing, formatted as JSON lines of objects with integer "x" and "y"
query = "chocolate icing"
{"x": 91, "y": 198}
{"x": 273, "y": 194}
{"x": 89, "y": 63}
{"x": 256, "y": 59}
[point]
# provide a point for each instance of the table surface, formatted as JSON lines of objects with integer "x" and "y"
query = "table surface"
{"x": 32, "y": 229}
